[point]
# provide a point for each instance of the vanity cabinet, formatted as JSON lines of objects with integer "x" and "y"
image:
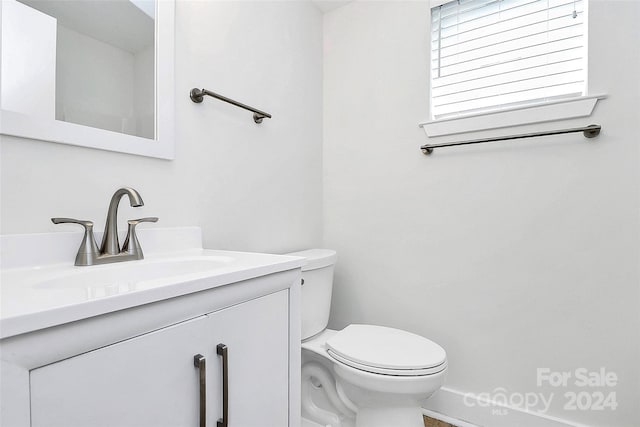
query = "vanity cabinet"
{"x": 114, "y": 345}
{"x": 152, "y": 380}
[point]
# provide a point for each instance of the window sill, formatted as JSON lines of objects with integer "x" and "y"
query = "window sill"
{"x": 582, "y": 106}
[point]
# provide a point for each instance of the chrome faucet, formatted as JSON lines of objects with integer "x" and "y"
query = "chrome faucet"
{"x": 110, "y": 250}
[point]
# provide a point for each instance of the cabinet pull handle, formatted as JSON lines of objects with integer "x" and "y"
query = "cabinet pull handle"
{"x": 200, "y": 362}
{"x": 221, "y": 349}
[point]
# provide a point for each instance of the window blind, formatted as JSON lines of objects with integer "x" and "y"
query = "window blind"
{"x": 490, "y": 54}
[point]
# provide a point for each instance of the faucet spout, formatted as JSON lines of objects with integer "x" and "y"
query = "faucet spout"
{"x": 110, "y": 243}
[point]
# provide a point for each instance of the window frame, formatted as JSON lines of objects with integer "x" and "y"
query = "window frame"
{"x": 496, "y": 117}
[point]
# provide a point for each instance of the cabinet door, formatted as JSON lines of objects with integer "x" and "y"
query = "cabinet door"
{"x": 256, "y": 334}
{"x": 149, "y": 381}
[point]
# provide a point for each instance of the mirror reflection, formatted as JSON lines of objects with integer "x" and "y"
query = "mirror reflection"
{"x": 88, "y": 62}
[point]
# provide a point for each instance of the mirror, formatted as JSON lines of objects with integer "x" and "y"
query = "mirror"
{"x": 97, "y": 73}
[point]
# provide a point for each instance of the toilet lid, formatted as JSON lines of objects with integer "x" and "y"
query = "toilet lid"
{"x": 386, "y": 350}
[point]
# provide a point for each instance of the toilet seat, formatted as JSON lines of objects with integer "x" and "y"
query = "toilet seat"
{"x": 392, "y": 372}
{"x": 386, "y": 351}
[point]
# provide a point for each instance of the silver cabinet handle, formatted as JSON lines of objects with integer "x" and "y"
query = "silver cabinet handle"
{"x": 200, "y": 362}
{"x": 222, "y": 350}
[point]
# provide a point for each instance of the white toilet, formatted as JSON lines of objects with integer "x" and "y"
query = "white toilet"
{"x": 363, "y": 375}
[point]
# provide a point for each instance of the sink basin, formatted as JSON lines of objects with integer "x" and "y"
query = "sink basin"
{"x": 131, "y": 275}
{"x": 63, "y": 284}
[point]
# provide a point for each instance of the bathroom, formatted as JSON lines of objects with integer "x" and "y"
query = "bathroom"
{"x": 520, "y": 258}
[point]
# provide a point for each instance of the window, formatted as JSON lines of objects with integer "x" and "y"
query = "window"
{"x": 493, "y": 54}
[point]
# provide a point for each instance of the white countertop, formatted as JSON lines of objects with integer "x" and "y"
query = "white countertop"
{"x": 45, "y": 292}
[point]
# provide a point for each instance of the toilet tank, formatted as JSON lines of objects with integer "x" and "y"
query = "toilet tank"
{"x": 316, "y": 289}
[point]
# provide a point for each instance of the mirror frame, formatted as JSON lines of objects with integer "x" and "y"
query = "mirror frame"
{"x": 163, "y": 146}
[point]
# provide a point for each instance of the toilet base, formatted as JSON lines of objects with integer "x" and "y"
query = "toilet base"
{"x": 385, "y": 417}
{"x": 338, "y": 395}
{"x": 308, "y": 423}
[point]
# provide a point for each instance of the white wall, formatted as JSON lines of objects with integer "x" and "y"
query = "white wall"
{"x": 251, "y": 187}
{"x": 513, "y": 256}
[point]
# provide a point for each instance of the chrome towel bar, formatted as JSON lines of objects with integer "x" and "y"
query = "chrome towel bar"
{"x": 590, "y": 131}
{"x": 197, "y": 95}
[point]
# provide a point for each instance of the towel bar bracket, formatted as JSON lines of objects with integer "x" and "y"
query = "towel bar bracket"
{"x": 196, "y": 95}
{"x": 591, "y": 131}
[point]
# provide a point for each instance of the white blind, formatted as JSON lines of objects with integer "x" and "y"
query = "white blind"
{"x": 487, "y": 54}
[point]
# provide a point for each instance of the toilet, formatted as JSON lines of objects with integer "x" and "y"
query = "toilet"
{"x": 363, "y": 375}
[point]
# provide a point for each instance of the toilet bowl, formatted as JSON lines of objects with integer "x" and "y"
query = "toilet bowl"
{"x": 362, "y": 375}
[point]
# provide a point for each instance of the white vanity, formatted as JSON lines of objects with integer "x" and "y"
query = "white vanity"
{"x": 145, "y": 343}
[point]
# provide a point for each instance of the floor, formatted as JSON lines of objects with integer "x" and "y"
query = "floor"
{"x": 432, "y": 422}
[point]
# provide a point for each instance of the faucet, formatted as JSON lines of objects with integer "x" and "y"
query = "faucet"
{"x": 110, "y": 251}
{"x": 110, "y": 244}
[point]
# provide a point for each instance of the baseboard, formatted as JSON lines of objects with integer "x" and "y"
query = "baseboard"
{"x": 454, "y": 407}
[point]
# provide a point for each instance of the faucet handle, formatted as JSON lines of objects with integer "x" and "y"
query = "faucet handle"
{"x": 131, "y": 244}
{"x": 83, "y": 222}
{"x": 88, "y": 250}
{"x": 135, "y": 222}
